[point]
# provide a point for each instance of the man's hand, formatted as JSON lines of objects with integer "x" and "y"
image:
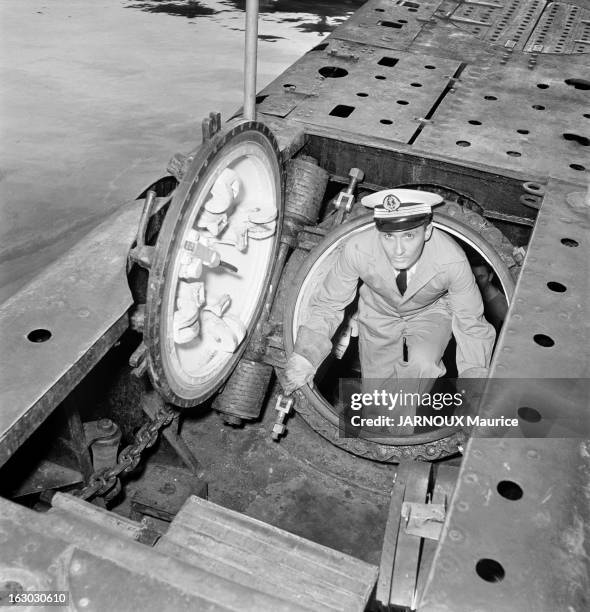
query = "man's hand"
{"x": 475, "y": 373}
{"x": 298, "y": 371}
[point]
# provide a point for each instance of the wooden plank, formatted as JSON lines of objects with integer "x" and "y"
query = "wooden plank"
{"x": 253, "y": 553}
{"x": 94, "y": 560}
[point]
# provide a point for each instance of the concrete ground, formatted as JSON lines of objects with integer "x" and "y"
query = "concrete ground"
{"x": 97, "y": 96}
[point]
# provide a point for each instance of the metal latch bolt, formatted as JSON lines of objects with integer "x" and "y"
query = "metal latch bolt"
{"x": 424, "y": 520}
{"x": 283, "y": 406}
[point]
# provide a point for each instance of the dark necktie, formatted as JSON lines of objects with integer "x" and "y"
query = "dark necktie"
{"x": 402, "y": 281}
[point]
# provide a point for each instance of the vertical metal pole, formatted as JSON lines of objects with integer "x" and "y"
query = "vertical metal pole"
{"x": 250, "y": 59}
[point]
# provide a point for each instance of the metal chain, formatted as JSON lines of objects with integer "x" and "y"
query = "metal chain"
{"x": 103, "y": 480}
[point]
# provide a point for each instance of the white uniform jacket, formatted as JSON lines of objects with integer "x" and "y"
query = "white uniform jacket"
{"x": 442, "y": 282}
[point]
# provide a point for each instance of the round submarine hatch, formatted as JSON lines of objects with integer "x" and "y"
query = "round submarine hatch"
{"x": 213, "y": 262}
{"x": 319, "y": 403}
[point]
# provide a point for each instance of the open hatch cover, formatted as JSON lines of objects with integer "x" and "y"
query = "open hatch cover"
{"x": 213, "y": 262}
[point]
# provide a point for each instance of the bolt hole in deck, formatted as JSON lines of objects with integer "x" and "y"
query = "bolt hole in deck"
{"x": 581, "y": 140}
{"x": 557, "y": 287}
{"x": 509, "y": 490}
{"x": 490, "y": 570}
{"x": 581, "y": 84}
{"x": 332, "y": 72}
{"x": 530, "y": 415}
{"x": 39, "y": 335}
{"x": 569, "y": 242}
{"x": 543, "y": 340}
{"x": 390, "y": 24}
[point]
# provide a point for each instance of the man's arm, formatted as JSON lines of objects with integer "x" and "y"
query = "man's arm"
{"x": 474, "y": 335}
{"x": 326, "y": 307}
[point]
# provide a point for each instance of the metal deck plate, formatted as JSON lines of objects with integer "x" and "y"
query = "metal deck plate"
{"x": 58, "y": 327}
{"x": 527, "y": 552}
{"x": 562, "y": 28}
{"x": 505, "y": 115}
{"x": 500, "y": 21}
{"x": 393, "y": 25}
{"x": 361, "y": 89}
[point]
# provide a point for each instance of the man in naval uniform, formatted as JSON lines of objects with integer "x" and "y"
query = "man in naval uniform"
{"x": 417, "y": 289}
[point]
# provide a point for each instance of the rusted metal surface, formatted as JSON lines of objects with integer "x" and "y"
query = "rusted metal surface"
{"x": 564, "y": 27}
{"x": 509, "y": 117}
{"x": 59, "y": 326}
{"x": 62, "y": 551}
{"x": 525, "y": 554}
{"x": 164, "y": 490}
{"x": 519, "y": 518}
{"x": 502, "y": 22}
{"x": 361, "y": 89}
{"x": 558, "y": 253}
{"x": 393, "y": 25}
{"x": 268, "y": 559}
{"x": 47, "y": 475}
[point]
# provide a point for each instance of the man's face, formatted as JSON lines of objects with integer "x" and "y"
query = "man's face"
{"x": 404, "y": 248}
{"x": 482, "y": 276}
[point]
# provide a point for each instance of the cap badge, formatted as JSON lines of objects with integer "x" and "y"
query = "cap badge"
{"x": 391, "y": 202}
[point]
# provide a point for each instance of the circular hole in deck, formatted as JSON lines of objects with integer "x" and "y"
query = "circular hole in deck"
{"x": 39, "y": 335}
{"x": 530, "y": 415}
{"x": 523, "y": 131}
{"x": 380, "y": 77}
{"x": 416, "y": 84}
{"x": 578, "y": 167}
{"x": 542, "y": 85}
{"x": 474, "y": 122}
{"x": 490, "y": 98}
{"x": 569, "y": 242}
{"x": 513, "y": 153}
{"x": 430, "y": 67}
{"x": 385, "y": 121}
{"x": 557, "y": 287}
{"x": 463, "y": 143}
{"x": 402, "y": 102}
{"x": 333, "y": 72}
{"x": 509, "y": 489}
{"x": 362, "y": 94}
{"x": 490, "y": 570}
{"x": 538, "y": 107}
{"x": 543, "y": 340}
